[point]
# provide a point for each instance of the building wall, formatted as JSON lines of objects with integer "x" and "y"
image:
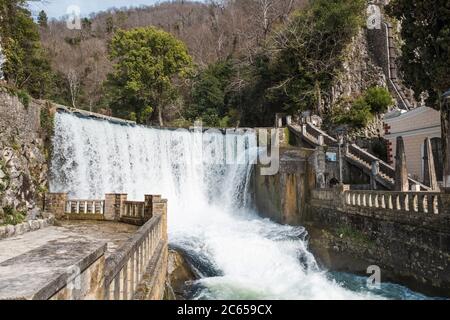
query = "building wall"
{"x": 414, "y": 126}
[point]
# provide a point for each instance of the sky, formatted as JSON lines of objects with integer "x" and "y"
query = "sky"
{"x": 58, "y": 8}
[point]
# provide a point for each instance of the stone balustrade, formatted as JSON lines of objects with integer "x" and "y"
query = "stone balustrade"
{"x": 421, "y": 202}
{"x": 85, "y": 207}
{"x": 127, "y": 266}
{"x": 115, "y": 207}
{"x": 134, "y": 209}
{"x": 415, "y": 202}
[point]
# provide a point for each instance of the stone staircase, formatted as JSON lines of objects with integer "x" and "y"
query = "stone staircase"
{"x": 353, "y": 155}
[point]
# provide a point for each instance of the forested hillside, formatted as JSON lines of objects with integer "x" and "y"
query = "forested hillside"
{"x": 227, "y": 62}
{"x": 232, "y": 33}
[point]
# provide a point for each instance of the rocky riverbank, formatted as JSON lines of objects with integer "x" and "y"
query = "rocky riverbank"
{"x": 179, "y": 275}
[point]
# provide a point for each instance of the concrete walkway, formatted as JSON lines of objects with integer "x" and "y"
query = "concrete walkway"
{"x": 32, "y": 264}
{"x": 110, "y": 232}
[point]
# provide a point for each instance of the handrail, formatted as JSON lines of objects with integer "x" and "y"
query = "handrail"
{"x": 125, "y": 268}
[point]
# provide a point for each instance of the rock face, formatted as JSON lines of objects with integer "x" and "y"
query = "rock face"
{"x": 179, "y": 274}
{"x": 359, "y": 73}
{"x": 23, "y": 164}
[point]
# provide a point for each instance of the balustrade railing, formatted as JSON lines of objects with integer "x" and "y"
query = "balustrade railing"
{"x": 134, "y": 209}
{"x": 127, "y": 266}
{"x": 85, "y": 207}
{"x": 415, "y": 202}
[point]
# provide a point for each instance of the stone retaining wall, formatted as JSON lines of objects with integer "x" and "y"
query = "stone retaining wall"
{"x": 27, "y": 226}
{"x": 412, "y": 248}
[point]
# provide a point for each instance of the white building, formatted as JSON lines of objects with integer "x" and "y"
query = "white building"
{"x": 414, "y": 126}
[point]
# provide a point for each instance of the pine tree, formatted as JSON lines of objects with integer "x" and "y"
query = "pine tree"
{"x": 42, "y": 19}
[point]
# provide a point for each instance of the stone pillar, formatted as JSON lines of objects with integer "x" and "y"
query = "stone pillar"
{"x": 288, "y": 120}
{"x": 148, "y": 207}
{"x": 154, "y": 204}
{"x": 429, "y": 172}
{"x": 114, "y": 203}
{"x": 56, "y": 203}
{"x": 278, "y": 120}
{"x": 401, "y": 172}
{"x": 320, "y": 140}
{"x": 373, "y": 174}
{"x": 340, "y": 193}
{"x": 320, "y": 167}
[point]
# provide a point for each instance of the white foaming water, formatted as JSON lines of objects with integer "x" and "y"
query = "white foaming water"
{"x": 239, "y": 254}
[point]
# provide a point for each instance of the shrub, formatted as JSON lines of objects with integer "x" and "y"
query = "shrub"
{"x": 357, "y": 114}
{"x": 24, "y": 97}
{"x": 379, "y": 99}
{"x": 12, "y": 216}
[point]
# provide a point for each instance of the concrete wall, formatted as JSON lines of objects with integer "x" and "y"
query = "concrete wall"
{"x": 282, "y": 197}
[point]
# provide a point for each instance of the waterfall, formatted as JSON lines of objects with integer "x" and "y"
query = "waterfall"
{"x": 210, "y": 216}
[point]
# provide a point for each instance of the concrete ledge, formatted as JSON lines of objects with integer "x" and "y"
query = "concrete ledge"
{"x": 24, "y": 227}
{"x": 90, "y": 216}
{"x": 88, "y": 114}
{"x": 41, "y": 273}
{"x": 133, "y": 221}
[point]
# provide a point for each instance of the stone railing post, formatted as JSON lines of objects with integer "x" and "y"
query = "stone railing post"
{"x": 159, "y": 206}
{"x": 340, "y": 191}
{"x": 148, "y": 206}
{"x": 320, "y": 140}
{"x": 288, "y": 120}
{"x": 374, "y": 173}
{"x": 56, "y": 203}
{"x": 114, "y": 204}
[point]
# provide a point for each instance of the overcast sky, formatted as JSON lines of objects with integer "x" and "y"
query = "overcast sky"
{"x": 58, "y": 8}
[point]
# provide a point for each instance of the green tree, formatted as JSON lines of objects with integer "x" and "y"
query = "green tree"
{"x": 146, "y": 62}
{"x": 425, "y": 58}
{"x": 379, "y": 99}
{"x": 42, "y": 19}
{"x": 26, "y": 66}
{"x": 209, "y": 93}
{"x": 310, "y": 49}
